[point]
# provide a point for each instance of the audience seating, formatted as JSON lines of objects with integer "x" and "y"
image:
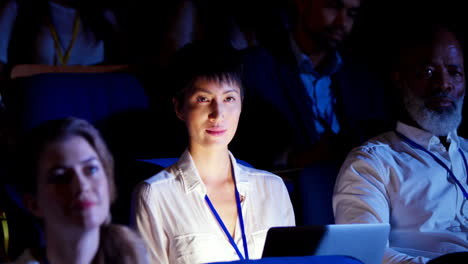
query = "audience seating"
{"x": 118, "y": 105}
{"x": 316, "y": 184}
{"x": 115, "y": 102}
{"x": 25, "y": 70}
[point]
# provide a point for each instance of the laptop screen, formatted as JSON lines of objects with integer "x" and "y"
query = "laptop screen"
{"x": 365, "y": 242}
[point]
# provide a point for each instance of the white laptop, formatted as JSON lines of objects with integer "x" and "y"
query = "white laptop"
{"x": 365, "y": 242}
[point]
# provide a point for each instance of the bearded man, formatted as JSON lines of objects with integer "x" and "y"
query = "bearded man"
{"x": 415, "y": 177}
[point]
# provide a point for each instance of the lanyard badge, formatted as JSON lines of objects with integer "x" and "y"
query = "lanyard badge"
{"x": 241, "y": 221}
{"x": 464, "y": 210}
{"x": 64, "y": 57}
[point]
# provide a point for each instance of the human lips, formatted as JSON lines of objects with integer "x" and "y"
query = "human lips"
{"x": 82, "y": 205}
{"x": 440, "y": 102}
{"x": 336, "y": 34}
{"x": 216, "y": 131}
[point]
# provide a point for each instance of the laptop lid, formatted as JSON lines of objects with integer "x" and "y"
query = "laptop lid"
{"x": 365, "y": 242}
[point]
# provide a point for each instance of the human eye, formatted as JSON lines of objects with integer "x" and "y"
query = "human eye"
{"x": 59, "y": 176}
{"x": 353, "y": 12}
{"x": 230, "y": 99}
{"x": 458, "y": 75}
{"x": 426, "y": 73}
{"x": 202, "y": 99}
{"x": 91, "y": 169}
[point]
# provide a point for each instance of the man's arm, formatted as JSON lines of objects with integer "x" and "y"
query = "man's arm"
{"x": 361, "y": 196}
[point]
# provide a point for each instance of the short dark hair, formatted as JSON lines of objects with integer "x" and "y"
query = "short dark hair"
{"x": 38, "y": 138}
{"x": 210, "y": 61}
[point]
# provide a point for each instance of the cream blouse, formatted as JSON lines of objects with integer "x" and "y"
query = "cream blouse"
{"x": 171, "y": 214}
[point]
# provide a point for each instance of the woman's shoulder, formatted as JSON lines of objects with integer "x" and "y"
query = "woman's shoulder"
{"x": 161, "y": 177}
{"x": 159, "y": 181}
{"x": 260, "y": 175}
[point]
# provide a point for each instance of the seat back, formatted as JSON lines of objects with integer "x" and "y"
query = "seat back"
{"x": 116, "y": 103}
{"x": 26, "y": 70}
{"x": 316, "y": 184}
{"x": 92, "y": 96}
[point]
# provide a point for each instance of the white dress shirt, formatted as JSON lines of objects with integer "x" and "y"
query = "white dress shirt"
{"x": 388, "y": 180}
{"x": 172, "y": 216}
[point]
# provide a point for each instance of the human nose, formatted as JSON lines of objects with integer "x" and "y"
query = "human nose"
{"x": 216, "y": 111}
{"x": 445, "y": 82}
{"x": 80, "y": 181}
{"x": 341, "y": 18}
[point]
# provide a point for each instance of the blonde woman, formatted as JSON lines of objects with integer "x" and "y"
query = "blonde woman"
{"x": 69, "y": 182}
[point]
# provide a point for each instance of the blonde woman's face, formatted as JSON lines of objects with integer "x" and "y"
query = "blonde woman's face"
{"x": 72, "y": 190}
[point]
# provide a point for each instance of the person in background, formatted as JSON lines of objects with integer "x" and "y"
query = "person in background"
{"x": 59, "y": 32}
{"x": 207, "y": 207}
{"x": 227, "y": 22}
{"x": 415, "y": 177}
{"x": 315, "y": 103}
{"x": 67, "y": 175}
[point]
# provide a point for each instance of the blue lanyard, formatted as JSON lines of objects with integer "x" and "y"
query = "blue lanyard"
{"x": 241, "y": 221}
{"x": 416, "y": 145}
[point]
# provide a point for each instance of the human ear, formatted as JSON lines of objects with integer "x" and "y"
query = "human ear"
{"x": 178, "y": 109}
{"x": 30, "y": 202}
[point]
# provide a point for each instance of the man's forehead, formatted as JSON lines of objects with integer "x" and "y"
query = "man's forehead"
{"x": 336, "y": 3}
{"x": 352, "y": 3}
{"x": 437, "y": 49}
{"x": 345, "y": 3}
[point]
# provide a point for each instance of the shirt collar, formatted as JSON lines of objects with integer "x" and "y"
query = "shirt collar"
{"x": 424, "y": 138}
{"x": 305, "y": 65}
{"x": 187, "y": 170}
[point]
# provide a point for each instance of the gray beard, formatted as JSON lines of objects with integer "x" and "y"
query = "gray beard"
{"x": 439, "y": 123}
